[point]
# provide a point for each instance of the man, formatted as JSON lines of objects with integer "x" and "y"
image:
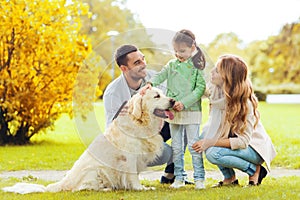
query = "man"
{"x": 134, "y": 75}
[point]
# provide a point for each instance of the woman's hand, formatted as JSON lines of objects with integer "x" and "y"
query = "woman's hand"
{"x": 197, "y": 146}
{"x": 203, "y": 144}
{"x": 142, "y": 91}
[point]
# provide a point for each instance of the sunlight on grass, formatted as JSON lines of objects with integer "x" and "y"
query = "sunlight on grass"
{"x": 55, "y": 149}
{"x": 282, "y": 123}
{"x": 280, "y": 188}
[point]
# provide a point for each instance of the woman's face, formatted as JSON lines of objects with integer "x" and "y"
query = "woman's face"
{"x": 182, "y": 51}
{"x": 216, "y": 78}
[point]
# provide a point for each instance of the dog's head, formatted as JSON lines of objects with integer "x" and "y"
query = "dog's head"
{"x": 153, "y": 104}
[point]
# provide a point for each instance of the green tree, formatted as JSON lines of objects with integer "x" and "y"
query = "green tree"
{"x": 41, "y": 51}
{"x": 226, "y": 43}
{"x": 257, "y": 59}
{"x": 105, "y": 16}
{"x": 277, "y": 62}
{"x": 283, "y": 52}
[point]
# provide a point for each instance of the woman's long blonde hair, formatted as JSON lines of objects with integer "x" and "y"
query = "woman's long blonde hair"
{"x": 238, "y": 90}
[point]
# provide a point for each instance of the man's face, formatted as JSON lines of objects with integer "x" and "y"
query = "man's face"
{"x": 136, "y": 66}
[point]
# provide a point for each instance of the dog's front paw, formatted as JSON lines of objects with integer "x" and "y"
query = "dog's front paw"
{"x": 107, "y": 189}
{"x": 148, "y": 188}
{"x": 54, "y": 187}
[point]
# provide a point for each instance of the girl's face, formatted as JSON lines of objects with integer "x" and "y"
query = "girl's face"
{"x": 216, "y": 78}
{"x": 182, "y": 51}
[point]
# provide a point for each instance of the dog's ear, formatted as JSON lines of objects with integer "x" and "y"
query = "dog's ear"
{"x": 135, "y": 106}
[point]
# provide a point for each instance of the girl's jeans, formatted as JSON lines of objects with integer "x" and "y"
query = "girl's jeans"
{"x": 227, "y": 159}
{"x": 192, "y": 133}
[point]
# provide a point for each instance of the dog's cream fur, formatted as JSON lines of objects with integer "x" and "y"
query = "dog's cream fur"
{"x": 115, "y": 158}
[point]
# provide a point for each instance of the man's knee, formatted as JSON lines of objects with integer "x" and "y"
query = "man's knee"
{"x": 167, "y": 154}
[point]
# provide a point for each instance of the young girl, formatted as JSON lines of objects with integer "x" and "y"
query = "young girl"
{"x": 234, "y": 136}
{"x": 186, "y": 85}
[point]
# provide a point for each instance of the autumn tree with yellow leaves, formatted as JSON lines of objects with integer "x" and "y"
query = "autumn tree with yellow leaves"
{"x": 41, "y": 52}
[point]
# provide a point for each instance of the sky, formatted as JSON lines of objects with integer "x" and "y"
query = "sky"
{"x": 249, "y": 19}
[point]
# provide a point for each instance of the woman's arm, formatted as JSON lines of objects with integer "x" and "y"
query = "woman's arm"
{"x": 240, "y": 142}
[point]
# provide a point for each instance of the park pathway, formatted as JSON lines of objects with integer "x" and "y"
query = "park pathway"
{"x": 53, "y": 175}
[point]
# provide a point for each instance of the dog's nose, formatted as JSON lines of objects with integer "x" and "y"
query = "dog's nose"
{"x": 172, "y": 102}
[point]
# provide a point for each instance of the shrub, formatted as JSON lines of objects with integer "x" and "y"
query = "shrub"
{"x": 261, "y": 96}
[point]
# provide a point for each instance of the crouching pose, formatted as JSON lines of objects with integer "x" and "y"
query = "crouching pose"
{"x": 234, "y": 136}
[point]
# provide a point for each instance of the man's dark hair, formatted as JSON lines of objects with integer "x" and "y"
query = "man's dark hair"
{"x": 121, "y": 53}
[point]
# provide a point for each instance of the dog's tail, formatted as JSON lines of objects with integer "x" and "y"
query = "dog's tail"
{"x": 25, "y": 188}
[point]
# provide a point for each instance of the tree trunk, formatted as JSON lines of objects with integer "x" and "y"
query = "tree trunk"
{"x": 20, "y": 138}
{"x": 4, "y": 136}
{"x": 21, "y": 135}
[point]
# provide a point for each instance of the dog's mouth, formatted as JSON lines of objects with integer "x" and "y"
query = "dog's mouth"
{"x": 163, "y": 113}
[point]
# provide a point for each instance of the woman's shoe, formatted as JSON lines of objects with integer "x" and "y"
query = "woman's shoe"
{"x": 262, "y": 174}
{"x": 221, "y": 184}
{"x": 251, "y": 184}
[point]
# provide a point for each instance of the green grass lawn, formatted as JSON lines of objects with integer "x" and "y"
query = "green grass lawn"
{"x": 58, "y": 149}
{"x": 281, "y": 188}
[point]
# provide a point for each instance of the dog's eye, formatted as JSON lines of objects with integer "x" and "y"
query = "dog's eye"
{"x": 157, "y": 96}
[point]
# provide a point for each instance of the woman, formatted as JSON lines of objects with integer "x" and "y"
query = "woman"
{"x": 234, "y": 136}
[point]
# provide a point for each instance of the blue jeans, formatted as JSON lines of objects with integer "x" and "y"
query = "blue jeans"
{"x": 166, "y": 135}
{"x": 192, "y": 133}
{"x": 226, "y": 159}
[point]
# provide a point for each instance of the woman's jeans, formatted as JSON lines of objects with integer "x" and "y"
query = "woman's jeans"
{"x": 192, "y": 133}
{"x": 227, "y": 159}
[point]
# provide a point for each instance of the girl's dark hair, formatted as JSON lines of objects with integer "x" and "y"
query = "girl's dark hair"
{"x": 122, "y": 52}
{"x": 187, "y": 37}
{"x": 199, "y": 59}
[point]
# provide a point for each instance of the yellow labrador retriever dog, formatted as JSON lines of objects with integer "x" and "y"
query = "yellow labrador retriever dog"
{"x": 115, "y": 159}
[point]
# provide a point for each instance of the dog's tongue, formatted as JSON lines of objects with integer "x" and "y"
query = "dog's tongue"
{"x": 169, "y": 114}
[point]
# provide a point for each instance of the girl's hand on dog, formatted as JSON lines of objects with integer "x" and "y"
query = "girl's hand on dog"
{"x": 178, "y": 106}
{"x": 146, "y": 87}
